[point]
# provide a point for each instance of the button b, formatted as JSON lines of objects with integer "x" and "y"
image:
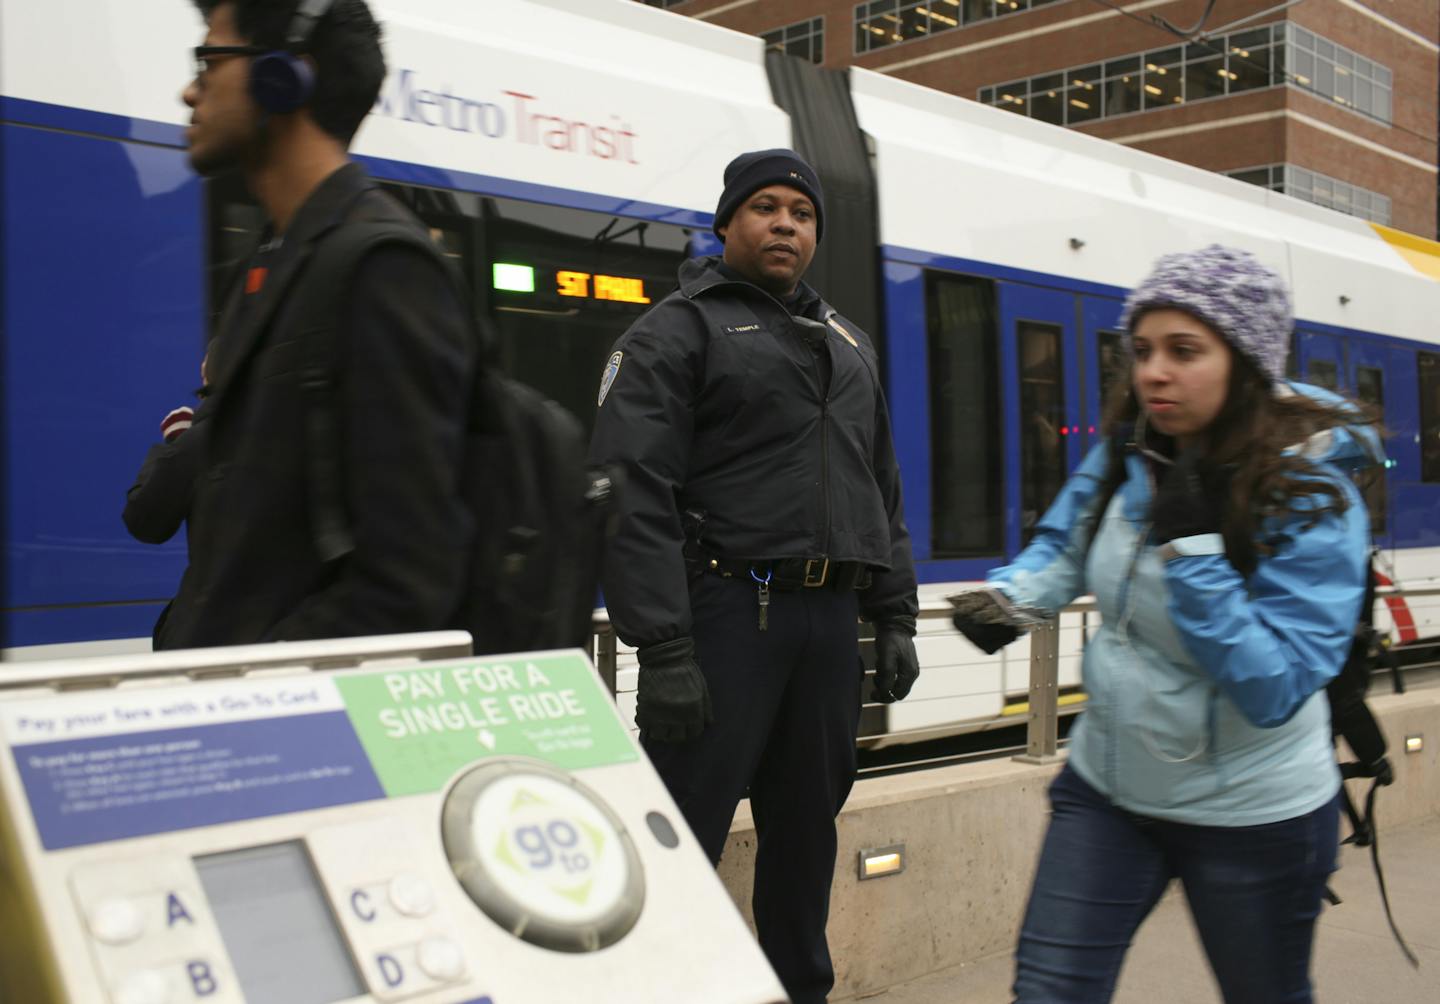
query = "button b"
{"x": 148, "y": 986}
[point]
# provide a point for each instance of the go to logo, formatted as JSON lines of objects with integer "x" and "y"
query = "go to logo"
{"x": 558, "y": 851}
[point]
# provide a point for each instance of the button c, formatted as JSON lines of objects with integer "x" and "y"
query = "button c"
{"x": 116, "y": 921}
{"x": 411, "y": 895}
{"x": 148, "y": 986}
{"x": 441, "y": 959}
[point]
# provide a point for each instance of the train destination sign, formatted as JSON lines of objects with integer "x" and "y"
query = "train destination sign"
{"x": 571, "y": 283}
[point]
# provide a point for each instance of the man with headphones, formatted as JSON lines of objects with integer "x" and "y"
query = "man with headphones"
{"x": 280, "y": 88}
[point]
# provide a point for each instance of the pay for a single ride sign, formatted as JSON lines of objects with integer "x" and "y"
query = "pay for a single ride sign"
{"x": 421, "y": 724}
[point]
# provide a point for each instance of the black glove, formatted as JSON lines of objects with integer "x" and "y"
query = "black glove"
{"x": 673, "y": 703}
{"x": 983, "y": 621}
{"x": 1192, "y": 499}
{"x": 896, "y": 665}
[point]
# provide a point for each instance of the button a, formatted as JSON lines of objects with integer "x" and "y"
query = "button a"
{"x": 116, "y": 921}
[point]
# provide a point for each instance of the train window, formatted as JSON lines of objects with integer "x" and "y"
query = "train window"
{"x": 556, "y": 285}
{"x": 1429, "y": 370}
{"x": 966, "y": 437}
{"x": 1042, "y": 412}
{"x": 1370, "y": 389}
{"x": 1114, "y": 362}
{"x": 561, "y": 285}
{"x": 1323, "y": 373}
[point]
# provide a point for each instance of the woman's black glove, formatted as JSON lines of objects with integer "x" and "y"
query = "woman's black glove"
{"x": 1192, "y": 499}
{"x": 981, "y": 616}
{"x": 672, "y": 701}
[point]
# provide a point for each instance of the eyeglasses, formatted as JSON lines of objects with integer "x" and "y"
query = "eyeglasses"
{"x": 205, "y": 54}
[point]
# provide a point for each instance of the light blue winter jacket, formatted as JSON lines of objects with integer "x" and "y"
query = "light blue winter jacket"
{"x": 1206, "y": 701}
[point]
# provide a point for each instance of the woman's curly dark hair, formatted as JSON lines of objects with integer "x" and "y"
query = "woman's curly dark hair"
{"x": 1256, "y": 434}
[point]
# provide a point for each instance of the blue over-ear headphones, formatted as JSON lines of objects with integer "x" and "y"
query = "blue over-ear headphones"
{"x": 280, "y": 81}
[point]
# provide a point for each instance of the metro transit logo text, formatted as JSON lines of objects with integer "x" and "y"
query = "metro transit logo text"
{"x": 515, "y": 115}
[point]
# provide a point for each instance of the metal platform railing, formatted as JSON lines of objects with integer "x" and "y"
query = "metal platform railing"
{"x": 1043, "y": 716}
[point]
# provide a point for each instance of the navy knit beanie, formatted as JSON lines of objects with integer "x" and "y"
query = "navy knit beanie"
{"x": 751, "y": 171}
{"x": 1245, "y": 302}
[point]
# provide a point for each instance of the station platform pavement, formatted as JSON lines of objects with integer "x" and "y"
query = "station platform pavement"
{"x": 1356, "y": 960}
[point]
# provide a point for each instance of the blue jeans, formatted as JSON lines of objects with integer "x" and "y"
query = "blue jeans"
{"x": 1254, "y": 892}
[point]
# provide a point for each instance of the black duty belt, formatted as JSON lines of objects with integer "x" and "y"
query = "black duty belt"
{"x": 793, "y": 573}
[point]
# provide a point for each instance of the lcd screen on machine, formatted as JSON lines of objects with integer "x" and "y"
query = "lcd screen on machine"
{"x": 277, "y": 925}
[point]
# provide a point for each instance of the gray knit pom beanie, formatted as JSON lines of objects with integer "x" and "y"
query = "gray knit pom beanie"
{"x": 1230, "y": 290}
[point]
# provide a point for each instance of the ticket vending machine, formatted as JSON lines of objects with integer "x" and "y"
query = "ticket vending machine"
{"x": 383, "y": 819}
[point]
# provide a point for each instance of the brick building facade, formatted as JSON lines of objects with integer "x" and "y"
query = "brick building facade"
{"x": 1332, "y": 101}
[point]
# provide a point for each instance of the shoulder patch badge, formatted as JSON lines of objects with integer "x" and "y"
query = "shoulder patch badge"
{"x": 608, "y": 377}
{"x": 843, "y": 333}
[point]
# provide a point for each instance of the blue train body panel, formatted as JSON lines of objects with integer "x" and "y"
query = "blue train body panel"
{"x": 104, "y": 322}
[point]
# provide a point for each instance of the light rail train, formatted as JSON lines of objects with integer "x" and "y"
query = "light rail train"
{"x": 568, "y": 154}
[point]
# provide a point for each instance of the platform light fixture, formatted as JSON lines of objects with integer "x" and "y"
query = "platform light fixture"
{"x": 1414, "y": 744}
{"x": 878, "y": 862}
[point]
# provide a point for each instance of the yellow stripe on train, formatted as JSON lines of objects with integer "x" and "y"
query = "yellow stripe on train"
{"x": 1421, "y": 254}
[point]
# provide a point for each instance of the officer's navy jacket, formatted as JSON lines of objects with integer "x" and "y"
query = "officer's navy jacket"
{"x": 1206, "y": 702}
{"x": 712, "y": 402}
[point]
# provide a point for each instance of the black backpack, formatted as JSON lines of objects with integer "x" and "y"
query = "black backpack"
{"x": 541, "y": 515}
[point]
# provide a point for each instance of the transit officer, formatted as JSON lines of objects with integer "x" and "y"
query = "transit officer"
{"x": 761, "y": 515}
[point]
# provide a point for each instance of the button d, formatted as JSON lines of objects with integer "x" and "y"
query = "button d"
{"x": 116, "y": 921}
{"x": 441, "y": 959}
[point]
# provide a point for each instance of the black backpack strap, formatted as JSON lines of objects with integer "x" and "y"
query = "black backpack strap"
{"x": 325, "y": 284}
{"x": 1374, "y": 841}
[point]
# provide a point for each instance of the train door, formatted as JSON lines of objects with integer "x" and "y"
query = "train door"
{"x": 1040, "y": 370}
{"x": 1377, "y": 376}
{"x": 1103, "y": 358}
{"x": 1320, "y": 360}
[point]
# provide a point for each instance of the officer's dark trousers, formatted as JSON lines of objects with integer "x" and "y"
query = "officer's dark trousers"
{"x": 787, "y": 707}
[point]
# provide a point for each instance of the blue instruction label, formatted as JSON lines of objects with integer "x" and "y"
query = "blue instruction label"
{"x": 132, "y": 784}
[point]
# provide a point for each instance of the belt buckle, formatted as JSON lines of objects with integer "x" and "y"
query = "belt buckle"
{"x": 812, "y": 582}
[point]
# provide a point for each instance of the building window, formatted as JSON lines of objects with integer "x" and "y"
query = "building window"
{"x": 885, "y": 22}
{"x": 805, "y": 39}
{"x": 1227, "y": 64}
{"x": 1338, "y": 74}
{"x": 1160, "y": 78}
{"x": 1332, "y": 193}
{"x": 1271, "y": 176}
{"x": 1311, "y": 186}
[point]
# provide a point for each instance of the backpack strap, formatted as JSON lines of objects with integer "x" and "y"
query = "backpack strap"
{"x": 325, "y": 285}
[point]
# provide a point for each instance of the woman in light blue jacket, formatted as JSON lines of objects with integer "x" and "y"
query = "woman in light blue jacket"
{"x": 1227, "y": 551}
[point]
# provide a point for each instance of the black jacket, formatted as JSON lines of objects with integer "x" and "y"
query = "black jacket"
{"x": 717, "y": 407}
{"x": 403, "y": 381}
{"x": 159, "y": 501}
